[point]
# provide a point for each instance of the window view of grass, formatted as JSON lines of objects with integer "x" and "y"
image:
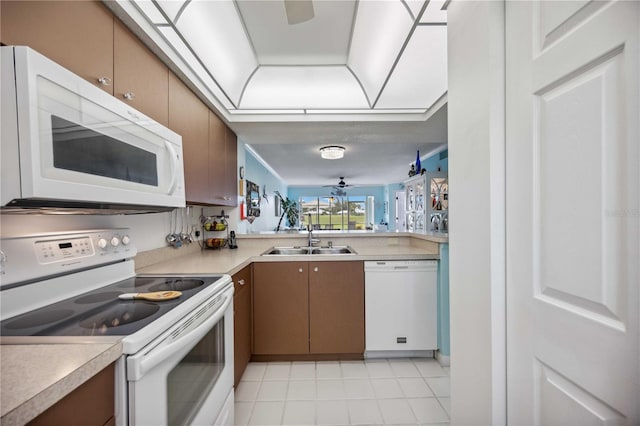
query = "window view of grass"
{"x": 336, "y": 213}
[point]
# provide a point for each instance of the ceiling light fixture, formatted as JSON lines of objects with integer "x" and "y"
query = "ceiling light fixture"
{"x": 332, "y": 152}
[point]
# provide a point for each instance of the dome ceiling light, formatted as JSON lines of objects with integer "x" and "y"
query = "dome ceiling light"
{"x": 342, "y": 60}
{"x": 332, "y": 152}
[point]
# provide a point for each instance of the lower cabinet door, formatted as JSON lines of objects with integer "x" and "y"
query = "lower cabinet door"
{"x": 336, "y": 307}
{"x": 281, "y": 308}
{"x": 242, "y": 332}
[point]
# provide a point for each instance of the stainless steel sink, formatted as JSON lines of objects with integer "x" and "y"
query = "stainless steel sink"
{"x": 287, "y": 251}
{"x": 298, "y": 251}
{"x": 333, "y": 250}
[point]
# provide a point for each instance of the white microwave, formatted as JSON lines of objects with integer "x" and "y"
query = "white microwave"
{"x": 65, "y": 143}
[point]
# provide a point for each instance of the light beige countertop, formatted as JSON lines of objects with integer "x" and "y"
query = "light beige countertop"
{"x": 192, "y": 260}
{"x": 36, "y": 376}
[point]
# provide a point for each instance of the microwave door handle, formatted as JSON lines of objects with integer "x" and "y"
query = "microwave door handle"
{"x": 174, "y": 166}
{"x": 157, "y": 357}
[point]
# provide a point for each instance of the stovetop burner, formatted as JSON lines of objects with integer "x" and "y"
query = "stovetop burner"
{"x": 100, "y": 312}
{"x": 118, "y": 315}
{"x": 177, "y": 284}
{"x": 35, "y": 319}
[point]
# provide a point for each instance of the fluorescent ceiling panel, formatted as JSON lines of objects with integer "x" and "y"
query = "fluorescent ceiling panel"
{"x": 171, "y": 8}
{"x": 303, "y": 87}
{"x": 434, "y": 13}
{"x": 415, "y": 6}
{"x": 151, "y": 11}
{"x": 420, "y": 77}
{"x": 321, "y": 40}
{"x": 214, "y": 31}
{"x": 176, "y": 42}
{"x": 380, "y": 30}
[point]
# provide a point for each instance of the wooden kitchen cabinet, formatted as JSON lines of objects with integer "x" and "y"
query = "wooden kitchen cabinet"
{"x": 242, "y": 318}
{"x": 336, "y": 307}
{"x": 309, "y": 308}
{"x": 76, "y": 34}
{"x": 280, "y": 308}
{"x": 231, "y": 168}
{"x": 139, "y": 78}
{"x": 207, "y": 164}
{"x": 222, "y": 162}
{"x": 85, "y": 38}
{"x": 189, "y": 117}
{"x": 92, "y": 403}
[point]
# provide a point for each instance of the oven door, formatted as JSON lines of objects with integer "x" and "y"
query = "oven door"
{"x": 186, "y": 375}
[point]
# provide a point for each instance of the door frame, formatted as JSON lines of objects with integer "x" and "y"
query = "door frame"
{"x": 477, "y": 178}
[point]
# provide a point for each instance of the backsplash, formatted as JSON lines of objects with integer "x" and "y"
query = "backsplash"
{"x": 148, "y": 230}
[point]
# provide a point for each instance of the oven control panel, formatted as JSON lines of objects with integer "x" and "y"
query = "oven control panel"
{"x": 55, "y": 251}
{"x": 36, "y": 256}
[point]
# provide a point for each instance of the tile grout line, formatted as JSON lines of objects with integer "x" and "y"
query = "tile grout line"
{"x": 347, "y": 400}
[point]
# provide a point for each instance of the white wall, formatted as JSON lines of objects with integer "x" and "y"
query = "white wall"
{"x": 476, "y": 178}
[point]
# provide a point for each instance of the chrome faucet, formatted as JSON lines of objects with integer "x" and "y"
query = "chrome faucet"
{"x": 312, "y": 240}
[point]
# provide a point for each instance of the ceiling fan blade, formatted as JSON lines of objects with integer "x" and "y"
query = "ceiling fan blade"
{"x": 298, "y": 11}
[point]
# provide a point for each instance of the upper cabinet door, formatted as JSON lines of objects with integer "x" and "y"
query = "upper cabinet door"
{"x": 76, "y": 34}
{"x": 217, "y": 159}
{"x": 140, "y": 78}
{"x": 231, "y": 176}
{"x": 189, "y": 117}
{"x": 222, "y": 162}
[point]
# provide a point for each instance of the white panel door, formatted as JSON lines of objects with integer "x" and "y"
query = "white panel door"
{"x": 573, "y": 215}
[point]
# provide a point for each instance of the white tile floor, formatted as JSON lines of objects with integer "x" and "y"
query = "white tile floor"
{"x": 372, "y": 392}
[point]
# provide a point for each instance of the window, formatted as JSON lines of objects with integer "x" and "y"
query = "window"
{"x": 333, "y": 213}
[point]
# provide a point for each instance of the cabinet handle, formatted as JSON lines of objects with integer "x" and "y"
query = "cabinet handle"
{"x": 105, "y": 81}
{"x": 300, "y": 270}
{"x": 315, "y": 269}
{"x": 241, "y": 282}
{"x": 129, "y": 96}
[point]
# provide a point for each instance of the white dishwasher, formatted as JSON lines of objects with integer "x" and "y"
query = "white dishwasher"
{"x": 401, "y": 310}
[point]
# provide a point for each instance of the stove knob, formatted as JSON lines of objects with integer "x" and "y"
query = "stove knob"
{"x": 102, "y": 243}
{"x": 126, "y": 240}
{"x": 115, "y": 241}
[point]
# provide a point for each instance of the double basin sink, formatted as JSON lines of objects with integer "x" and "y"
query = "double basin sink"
{"x": 300, "y": 251}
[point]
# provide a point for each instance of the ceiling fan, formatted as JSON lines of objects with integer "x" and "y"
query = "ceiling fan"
{"x": 298, "y": 11}
{"x": 340, "y": 186}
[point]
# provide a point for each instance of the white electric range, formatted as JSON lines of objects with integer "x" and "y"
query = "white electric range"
{"x": 177, "y": 365}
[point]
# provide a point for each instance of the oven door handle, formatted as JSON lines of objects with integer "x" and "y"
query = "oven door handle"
{"x": 139, "y": 365}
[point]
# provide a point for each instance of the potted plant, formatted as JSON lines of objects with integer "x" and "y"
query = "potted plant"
{"x": 290, "y": 209}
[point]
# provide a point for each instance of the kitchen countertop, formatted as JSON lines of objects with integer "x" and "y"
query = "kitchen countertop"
{"x": 231, "y": 261}
{"x": 54, "y": 370}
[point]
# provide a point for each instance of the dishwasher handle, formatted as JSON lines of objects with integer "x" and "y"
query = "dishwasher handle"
{"x": 401, "y": 265}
